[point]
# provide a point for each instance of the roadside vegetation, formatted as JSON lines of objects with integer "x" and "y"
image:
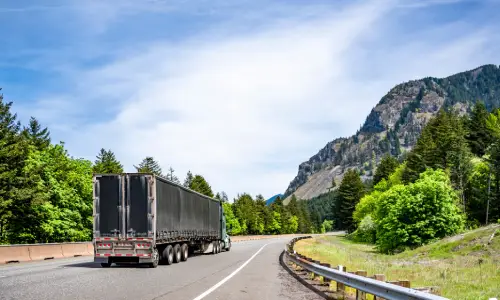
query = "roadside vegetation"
{"x": 464, "y": 266}
{"x": 427, "y": 215}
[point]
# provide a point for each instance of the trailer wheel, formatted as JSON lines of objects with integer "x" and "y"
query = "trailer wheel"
{"x": 177, "y": 253}
{"x": 218, "y": 247}
{"x": 168, "y": 254}
{"x": 156, "y": 258}
{"x": 184, "y": 252}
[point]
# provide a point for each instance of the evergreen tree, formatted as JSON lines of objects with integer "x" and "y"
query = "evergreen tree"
{"x": 224, "y": 197}
{"x": 442, "y": 145}
{"x": 188, "y": 180}
{"x": 304, "y": 218}
{"x": 149, "y": 165}
{"x": 106, "y": 163}
{"x": 16, "y": 195}
{"x": 277, "y": 205}
{"x": 351, "y": 190}
{"x": 293, "y": 206}
{"x": 172, "y": 177}
{"x": 385, "y": 168}
{"x": 200, "y": 185}
{"x": 38, "y": 136}
{"x": 479, "y": 135}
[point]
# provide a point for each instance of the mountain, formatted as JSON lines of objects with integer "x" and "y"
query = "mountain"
{"x": 394, "y": 125}
{"x": 271, "y": 200}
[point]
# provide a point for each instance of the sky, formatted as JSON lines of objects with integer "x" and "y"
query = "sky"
{"x": 240, "y": 92}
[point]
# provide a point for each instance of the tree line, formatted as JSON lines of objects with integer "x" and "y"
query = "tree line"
{"x": 448, "y": 182}
{"x": 46, "y": 194}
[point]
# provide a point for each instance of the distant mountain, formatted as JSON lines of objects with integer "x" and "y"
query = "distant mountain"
{"x": 394, "y": 125}
{"x": 271, "y": 200}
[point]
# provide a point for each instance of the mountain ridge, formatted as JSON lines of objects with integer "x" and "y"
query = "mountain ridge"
{"x": 393, "y": 126}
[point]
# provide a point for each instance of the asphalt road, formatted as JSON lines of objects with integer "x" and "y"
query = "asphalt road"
{"x": 251, "y": 270}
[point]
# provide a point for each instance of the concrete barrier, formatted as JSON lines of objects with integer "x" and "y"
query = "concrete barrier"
{"x": 11, "y": 254}
{"x": 90, "y": 248}
{"x": 73, "y": 250}
{"x": 45, "y": 251}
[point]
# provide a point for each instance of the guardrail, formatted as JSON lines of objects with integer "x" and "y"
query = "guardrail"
{"x": 363, "y": 285}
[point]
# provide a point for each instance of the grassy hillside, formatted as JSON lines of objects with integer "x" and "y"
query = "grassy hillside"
{"x": 465, "y": 266}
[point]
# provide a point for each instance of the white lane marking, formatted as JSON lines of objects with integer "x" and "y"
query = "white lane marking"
{"x": 213, "y": 288}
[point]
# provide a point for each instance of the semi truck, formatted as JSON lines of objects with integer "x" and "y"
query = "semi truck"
{"x": 146, "y": 219}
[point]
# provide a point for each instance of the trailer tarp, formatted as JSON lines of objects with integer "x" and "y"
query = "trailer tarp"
{"x": 181, "y": 212}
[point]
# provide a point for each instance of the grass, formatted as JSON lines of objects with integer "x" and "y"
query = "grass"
{"x": 460, "y": 267}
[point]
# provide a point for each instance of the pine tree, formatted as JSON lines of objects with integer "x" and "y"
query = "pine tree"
{"x": 16, "y": 190}
{"x": 188, "y": 180}
{"x": 224, "y": 197}
{"x": 385, "y": 168}
{"x": 305, "y": 223}
{"x": 277, "y": 205}
{"x": 172, "y": 177}
{"x": 293, "y": 206}
{"x": 106, "y": 163}
{"x": 200, "y": 185}
{"x": 38, "y": 136}
{"x": 478, "y": 136}
{"x": 149, "y": 165}
{"x": 351, "y": 190}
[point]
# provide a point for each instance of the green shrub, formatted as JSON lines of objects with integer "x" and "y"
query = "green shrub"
{"x": 413, "y": 215}
{"x": 366, "y": 232}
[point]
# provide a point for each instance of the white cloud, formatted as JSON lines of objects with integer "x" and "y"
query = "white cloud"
{"x": 234, "y": 107}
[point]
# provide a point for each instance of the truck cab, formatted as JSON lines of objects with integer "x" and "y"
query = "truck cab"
{"x": 226, "y": 239}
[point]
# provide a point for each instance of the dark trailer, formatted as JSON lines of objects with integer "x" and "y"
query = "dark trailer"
{"x": 144, "y": 218}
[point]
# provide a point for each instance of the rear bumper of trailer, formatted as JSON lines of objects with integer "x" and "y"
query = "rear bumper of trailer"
{"x": 123, "y": 259}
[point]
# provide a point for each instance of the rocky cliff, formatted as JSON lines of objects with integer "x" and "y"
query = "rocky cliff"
{"x": 394, "y": 125}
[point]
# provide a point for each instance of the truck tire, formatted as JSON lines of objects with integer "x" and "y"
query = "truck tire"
{"x": 156, "y": 258}
{"x": 229, "y": 245}
{"x": 168, "y": 254}
{"x": 184, "y": 252}
{"x": 177, "y": 253}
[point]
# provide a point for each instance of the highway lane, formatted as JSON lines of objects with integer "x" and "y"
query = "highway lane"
{"x": 262, "y": 277}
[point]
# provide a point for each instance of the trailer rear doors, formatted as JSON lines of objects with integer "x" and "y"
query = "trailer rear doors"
{"x": 108, "y": 206}
{"x": 139, "y": 201}
{"x": 124, "y": 206}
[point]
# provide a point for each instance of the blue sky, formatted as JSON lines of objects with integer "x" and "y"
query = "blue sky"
{"x": 239, "y": 91}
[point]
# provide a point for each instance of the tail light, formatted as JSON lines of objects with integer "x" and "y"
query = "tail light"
{"x": 104, "y": 245}
{"x": 143, "y": 246}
